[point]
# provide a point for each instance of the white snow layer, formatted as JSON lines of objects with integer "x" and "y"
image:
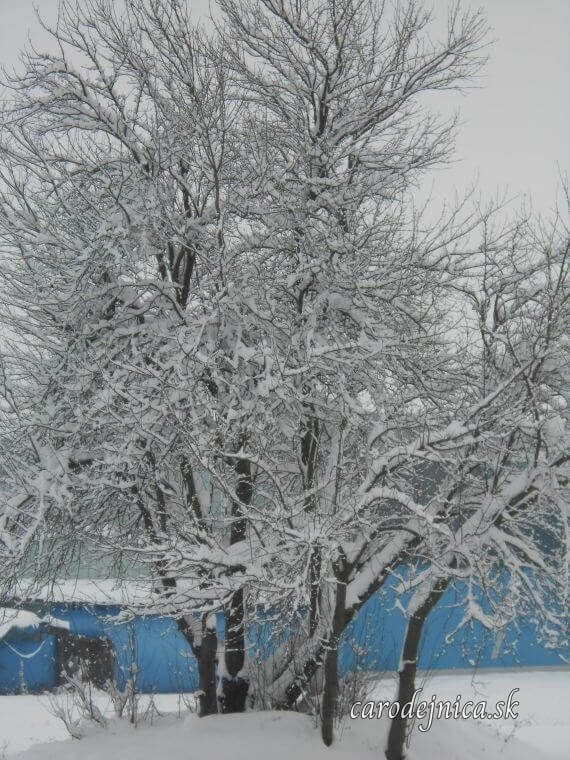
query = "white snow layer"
{"x": 541, "y": 731}
{"x": 13, "y": 618}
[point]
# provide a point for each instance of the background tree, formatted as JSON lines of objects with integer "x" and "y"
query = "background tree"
{"x": 506, "y": 551}
{"x": 113, "y": 206}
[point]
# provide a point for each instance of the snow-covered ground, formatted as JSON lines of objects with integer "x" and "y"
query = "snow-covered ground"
{"x": 542, "y": 731}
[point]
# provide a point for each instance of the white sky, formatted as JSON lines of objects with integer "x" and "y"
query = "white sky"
{"x": 515, "y": 127}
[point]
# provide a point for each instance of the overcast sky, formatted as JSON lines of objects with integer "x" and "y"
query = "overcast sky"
{"x": 515, "y": 127}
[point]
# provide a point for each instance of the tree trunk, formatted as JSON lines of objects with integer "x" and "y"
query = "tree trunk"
{"x": 234, "y": 685}
{"x": 206, "y": 656}
{"x": 395, "y": 748}
{"x": 208, "y": 703}
{"x": 330, "y": 689}
{"x": 315, "y": 589}
{"x": 205, "y": 653}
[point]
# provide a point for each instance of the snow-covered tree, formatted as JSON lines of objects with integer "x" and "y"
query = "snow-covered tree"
{"x": 500, "y": 538}
{"x": 112, "y": 207}
{"x": 238, "y": 354}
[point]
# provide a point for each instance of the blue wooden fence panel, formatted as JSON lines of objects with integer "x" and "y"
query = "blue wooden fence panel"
{"x": 163, "y": 661}
{"x": 27, "y": 662}
{"x": 373, "y": 641}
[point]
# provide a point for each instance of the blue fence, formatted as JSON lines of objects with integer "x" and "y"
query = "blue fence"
{"x": 153, "y": 648}
{"x": 150, "y": 647}
{"x": 27, "y": 662}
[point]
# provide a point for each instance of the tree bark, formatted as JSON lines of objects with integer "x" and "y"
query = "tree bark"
{"x": 234, "y": 684}
{"x": 208, "y": 703}
{"x": 330, "y": 689}
{"x": 315, "y": 589}
{"x": 206, "y": 652}
{"x": 395, "y": 748}
{"x": 206, "y": 657}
